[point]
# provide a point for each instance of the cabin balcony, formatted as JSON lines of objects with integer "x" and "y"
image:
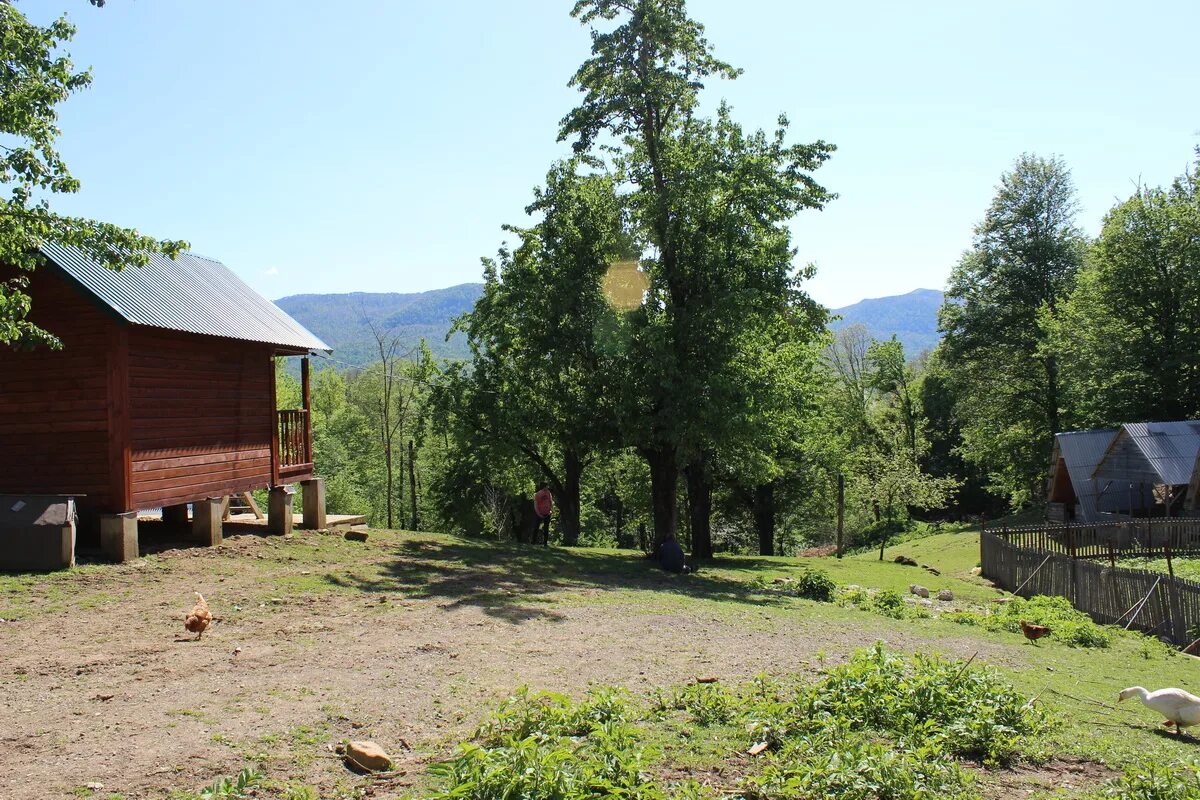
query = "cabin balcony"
{"x": 293, "y": 445}
{"x": 291, "y": 437}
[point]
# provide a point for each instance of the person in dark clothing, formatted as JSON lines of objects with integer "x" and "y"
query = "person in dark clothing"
{"x": 670, "y": 556}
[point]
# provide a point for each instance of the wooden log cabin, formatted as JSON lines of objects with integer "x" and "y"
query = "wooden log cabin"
{"x": 162, "y": 395}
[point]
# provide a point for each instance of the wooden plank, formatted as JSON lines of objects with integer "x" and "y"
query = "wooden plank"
{"x": 152, "y": 481}
{"x": 186, "y": 494}
{"x": 143, "y": 464}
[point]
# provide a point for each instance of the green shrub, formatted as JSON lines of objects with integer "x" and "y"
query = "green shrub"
{"x": 815, "y": 584}
{"x": 1068, "y": 625}
{"x": 1150, "y": 780}
{"x": 852, "y": 767}
{"x": 548, "y": 714}
{"x": 544, "y": 747}
{"x": 887, "y": 602}
{"x": 928, "y": 701}
{"x": 879, "y": 727}
{"x": 811, "y": 584}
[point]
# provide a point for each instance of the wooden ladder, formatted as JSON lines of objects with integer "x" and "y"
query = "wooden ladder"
{"x": 241, "y": 503}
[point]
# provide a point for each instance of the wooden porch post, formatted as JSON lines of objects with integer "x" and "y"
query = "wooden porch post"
{"x": 274, "y": 428}
{"x": 306, "y": 392}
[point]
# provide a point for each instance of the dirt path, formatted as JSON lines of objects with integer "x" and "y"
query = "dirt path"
{"x": 402, "y": 641}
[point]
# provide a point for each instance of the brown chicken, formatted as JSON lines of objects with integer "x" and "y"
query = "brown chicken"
{"x": 1034, "y": 632}
{"x": 199, "y": 618}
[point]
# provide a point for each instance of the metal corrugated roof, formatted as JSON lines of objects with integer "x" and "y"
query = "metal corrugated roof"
{"x": 1153, "y": 452}
{"x": 189, "y": 293}
{"x": 1082, "y": 451}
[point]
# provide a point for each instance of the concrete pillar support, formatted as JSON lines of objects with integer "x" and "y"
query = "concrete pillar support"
{"x": 175, "y": 516}
{"x": 313, "y": 500}
{"x": 279, "y": 510}
{"x": 119, "y": 536}
{"x": 206, "y": 520}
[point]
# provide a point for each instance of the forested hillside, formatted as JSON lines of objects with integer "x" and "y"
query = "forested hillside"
{"x": 343, "y": 320}
{"x": 339, "y": 319}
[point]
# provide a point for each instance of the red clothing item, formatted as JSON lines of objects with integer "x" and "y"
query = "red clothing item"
{"x": 543, "y": 502}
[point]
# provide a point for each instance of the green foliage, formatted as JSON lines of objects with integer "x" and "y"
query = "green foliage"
{"x": 1155, "y": 780}
{"x": 845, "y": 764}
{"x": 1140, "y": 287}
{"x": 705, "y": 703}
{"x": 1000, "y": 302}
{"x": 878, "y": 402}
{"x": 526, "y": 714}
{"x": 544, "y": 341}
{"x": 711, "y": 201}
{"x": 35, "y": 77}
{"x": 811, "y": 584}
{"x": 237, "y": 787}
{"x": 970, "y": 713}
{"x": 885, "y": 602}
{"x": 815, "y": 584}
{"x": 880, "y": 726}
{"x": 540, "y": 746}
{"x": 1070, "y": 626}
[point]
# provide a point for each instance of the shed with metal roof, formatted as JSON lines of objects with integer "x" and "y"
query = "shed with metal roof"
{"x": 162, "y": 396}
{"x": 1137, "y": 469}
{"x": 1073, "y": 491}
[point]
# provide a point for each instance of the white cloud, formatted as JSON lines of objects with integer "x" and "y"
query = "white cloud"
{"x": 272, "y": 272}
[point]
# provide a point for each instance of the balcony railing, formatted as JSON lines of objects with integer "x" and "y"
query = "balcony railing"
{"x": 295, "y": 443}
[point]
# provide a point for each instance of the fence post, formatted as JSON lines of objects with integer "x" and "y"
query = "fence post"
{"x": 1074, "y": 566}
{"x": 1178, "y": 624}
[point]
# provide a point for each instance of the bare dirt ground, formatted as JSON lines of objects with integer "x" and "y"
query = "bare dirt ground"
{"x": 407, "y": 640}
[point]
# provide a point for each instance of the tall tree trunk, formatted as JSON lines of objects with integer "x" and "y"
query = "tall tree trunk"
{"x": 387, "y": 462}
{"x": 699, "y": 496}
{"x": 664, "y": 480}
{"x": 412, "y": 485}
{"x": 764, "y": 518}
{"x": 568, "y": 501}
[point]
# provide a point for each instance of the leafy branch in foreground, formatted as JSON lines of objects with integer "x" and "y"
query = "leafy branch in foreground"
{"x": 34, "y": 78}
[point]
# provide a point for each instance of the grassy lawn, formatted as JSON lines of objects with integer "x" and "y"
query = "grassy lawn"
{"x": 1186, "y": 568}
{"x": 410, "y": 639}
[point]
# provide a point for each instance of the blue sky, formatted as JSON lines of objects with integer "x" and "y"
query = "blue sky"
{"x": 379, "y": 146}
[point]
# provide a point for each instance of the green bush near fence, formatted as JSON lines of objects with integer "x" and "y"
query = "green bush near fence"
{"x": 1068, "y": 625}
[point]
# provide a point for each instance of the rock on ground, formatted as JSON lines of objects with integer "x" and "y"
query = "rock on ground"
{"x": 368, "y": 756}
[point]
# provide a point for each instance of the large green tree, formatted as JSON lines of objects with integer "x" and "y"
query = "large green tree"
{"x": 544, "y": 340}
{"x": 1000, "y": 305}
{"x": 710, "y": 201}
{"x": 35, "y": 77}
{"x": 1132, "y": 326}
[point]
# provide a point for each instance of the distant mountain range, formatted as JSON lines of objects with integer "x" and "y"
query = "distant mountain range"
{"x": 342, "y": 320}
{"x": 911, "y": 317}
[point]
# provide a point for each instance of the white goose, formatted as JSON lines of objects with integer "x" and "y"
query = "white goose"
{"x": 1182, "y": 709}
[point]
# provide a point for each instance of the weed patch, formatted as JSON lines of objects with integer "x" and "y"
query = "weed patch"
{"x": 1151, "y": 780}
{"x": 886, "y": 602}
{"x": 1070, "y": 626}
{"x": 880, "y": 726}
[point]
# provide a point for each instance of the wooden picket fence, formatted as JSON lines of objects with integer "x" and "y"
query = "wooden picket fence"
{"x": 1153, "y": 538}
{"x": 1075, "y": 562}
